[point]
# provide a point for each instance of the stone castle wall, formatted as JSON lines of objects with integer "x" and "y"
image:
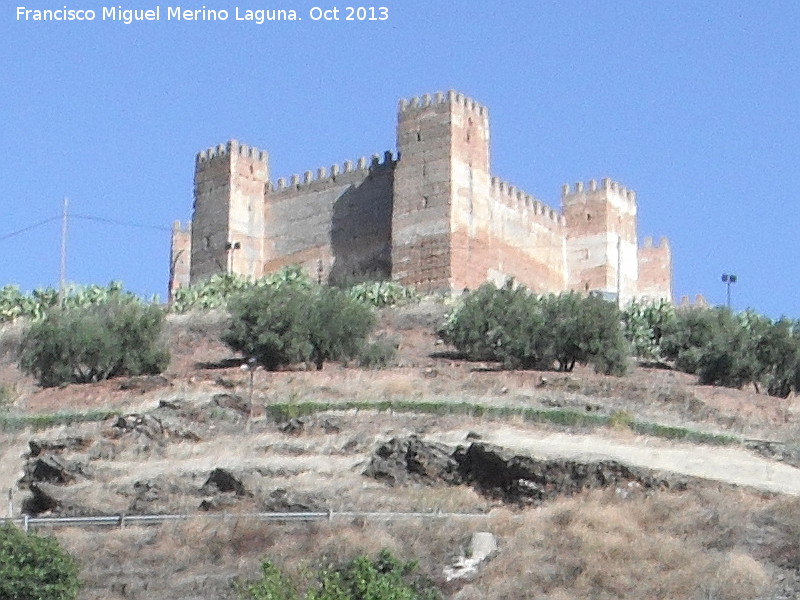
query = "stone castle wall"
{"x": 336, "y": 223}
{"x": 433, "y": 217}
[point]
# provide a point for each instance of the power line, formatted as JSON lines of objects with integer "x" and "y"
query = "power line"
{"x": 29, "y": 227}
{"x": 118, "y": 222}
{"x": 84, "y": 218}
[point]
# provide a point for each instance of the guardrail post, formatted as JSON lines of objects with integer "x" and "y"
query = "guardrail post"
{"x": 10, "y": 503}
{"x": 25, "y": 523}
{"x": 122, "y": 520}
{"x": 330, "y": 514}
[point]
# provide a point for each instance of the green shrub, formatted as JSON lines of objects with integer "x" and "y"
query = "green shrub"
{"x": 383, "y": 293}
{"x": 378, "y": 354}
{"x": 217, "y": 291}
{"x": 522, "y": 330}
{"x": 384, "y": 578}
{"x": 282, "y": 325}
{"x": 14, "y": 304}
{"x": 273, "y": 585}
{"x": 8, "y": 396}
{"x": 645, "y": 325}
{"x": 338, "y": 325}
{"x": 82, "y": 345}
{"x": 33, "y": 567}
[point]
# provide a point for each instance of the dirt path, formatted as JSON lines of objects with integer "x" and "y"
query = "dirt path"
{"x": 725, "y": 464}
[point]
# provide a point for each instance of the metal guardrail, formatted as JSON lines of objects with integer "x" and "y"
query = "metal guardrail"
{"x": 123, "y": 520}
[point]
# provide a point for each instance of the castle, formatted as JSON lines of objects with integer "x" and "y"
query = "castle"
{"x": 432, "y": 216}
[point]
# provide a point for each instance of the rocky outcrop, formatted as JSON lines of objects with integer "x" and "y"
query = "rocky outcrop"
{"x": 404, "y": 460}
{"x": 281, "y": 500}
{"x": 224, "y": 481}
{"x": 58, "y": 445}
{"x": 520, "y": 479}
{"x": 53, "y": 469}
{"x": 502, "y": 474}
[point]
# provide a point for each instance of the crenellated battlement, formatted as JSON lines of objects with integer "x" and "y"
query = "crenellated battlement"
{"x": 662, "y": 244}
{"x": 439, "y": 98}
{"x": 523, "y": 202}
{"x": 430, "y": 215}
{"x": 593, "y": 186}
{"x": 296, "y": 181}
{"x": 232, "y": 147}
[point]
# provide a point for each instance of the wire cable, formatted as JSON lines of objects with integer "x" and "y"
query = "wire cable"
{"x": 118, "y": 222}
{"x": 28, "y": 228}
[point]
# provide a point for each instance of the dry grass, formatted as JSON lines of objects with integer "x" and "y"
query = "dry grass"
{"x": 706, "y": 543}
{"x": 597, "y": 545}
{"x": 601, "y": 546}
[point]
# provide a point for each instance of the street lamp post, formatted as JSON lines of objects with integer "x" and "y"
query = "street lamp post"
{"x": 250, "y": 366}
{"x": 229, "y": 248}
{"x": 729, "y": 279}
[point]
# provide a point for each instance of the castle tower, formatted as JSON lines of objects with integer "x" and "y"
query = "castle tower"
{"x": 180, "y": 257}
{"x": 228, "y": 218}
{"x": 441, "y": 186}
{"x": 601, "y": 238}
{"x": 655, "y": 270}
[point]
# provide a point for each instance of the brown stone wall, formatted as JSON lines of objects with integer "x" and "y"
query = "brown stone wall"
{"x": 433, "y": 218}
{"x": 423, "y": 193}
{"x": 180, "y": 256}
{"x": 655, "y": 270}
{"x": 336, "y": 225}
{"x": 517, "y": 237}
{"x": 249, "y": 176}
{"x": 601, "y": 238}
{"x": 211, "y": 212}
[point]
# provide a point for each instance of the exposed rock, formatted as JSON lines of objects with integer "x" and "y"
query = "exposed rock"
{"x": 501, "y": 474}
{"x": 282, "y": 500}
{"x": 144, "y": 424}
{"x": 298, "y": 425}
{"x": 177, "y": 404}
{"x": 151, "y": 496}
{"x": 402, "y": 460}
{"x": 58, "y": 445}
{"x": 45, "y": 498}
{"x": 144, "y": 383}
{"x": 222, "y": 480}
{"x": 53, "y": 469}
{"x": 790, "y": 454}
{"x": 482, "y": 545}
{"x": 293, "y": 426}
{"x": 232, "y": 402}
{"x": 329, "y": 425}
{"x": 103, "y": 450}
{"x": 525, "y": 480}
{"x": 222, "y": 502}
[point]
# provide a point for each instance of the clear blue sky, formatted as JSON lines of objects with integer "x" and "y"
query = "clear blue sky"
{"x": 695, "y": 106}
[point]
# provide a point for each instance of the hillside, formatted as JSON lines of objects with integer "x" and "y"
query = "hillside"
{"x": 646, "y": 486}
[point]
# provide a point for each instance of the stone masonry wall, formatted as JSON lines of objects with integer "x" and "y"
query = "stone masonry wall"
{"x": 180, "y": 256}
{"x": 423, "y": 193}
{"x": 601, "y": 237}
{"x": 433, "y": 217}
{"x": 212, "y": 181}
{"x": 336, "y": 225}
{"x": 655, "y": 270}
{"x": 517, "y": 236}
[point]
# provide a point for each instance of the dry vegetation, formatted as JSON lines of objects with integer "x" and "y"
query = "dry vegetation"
{"x": 711, "y": 541}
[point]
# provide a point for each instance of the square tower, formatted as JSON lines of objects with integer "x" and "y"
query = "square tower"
{"x": 441, "y": 182}
{"x": 601, "y": 238}
{"x": 228, "y": 219}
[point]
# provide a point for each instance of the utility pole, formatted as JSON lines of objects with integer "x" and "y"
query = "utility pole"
{"x": 619, "y": 270}
{"x": 62, "y": 276}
